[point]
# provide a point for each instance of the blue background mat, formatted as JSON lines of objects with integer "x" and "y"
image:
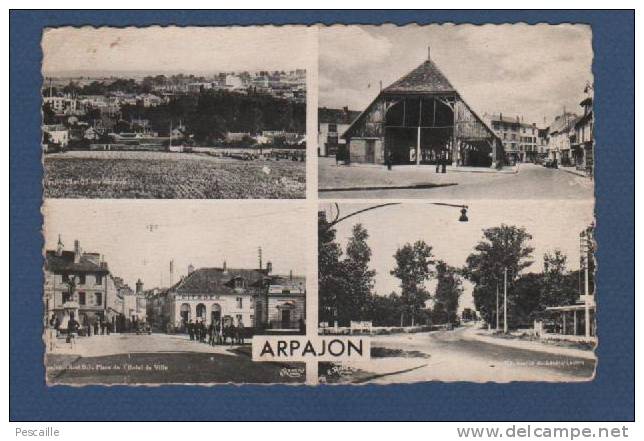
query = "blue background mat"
{"x": 610, "y": 397}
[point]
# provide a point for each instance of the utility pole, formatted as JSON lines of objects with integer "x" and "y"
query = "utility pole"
{"x": 497, "y": 306}
{"x": 585, "y": 249}
{"x": 505, "y": 300}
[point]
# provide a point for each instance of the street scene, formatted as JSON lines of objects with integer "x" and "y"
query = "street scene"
{"x": 455, "y": 111}
{"x": 517, "y": 182}
{"x": 459, "y": 292}
{"x": 157, "y": 294}
{"x": 175, "y": 113}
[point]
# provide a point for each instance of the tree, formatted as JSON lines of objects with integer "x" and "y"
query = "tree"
{"x": 448, "y": 291}
{"x": 385, "y": 310}
{"x": 524, "y": 301}
{"x": 557, "y": 288}
{"x": 503, "y": 247}
{"x": 413, "y": 268}
{"x": 344, "y": 285}
{"x": 360, "y": 277}
{"x": 329, "y": 284}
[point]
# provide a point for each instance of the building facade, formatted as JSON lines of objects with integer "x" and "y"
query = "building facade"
{"x": 421, "y": 118}
{"x": 520, "y": 139}
{"x": 559, "y": 139}
{"x": 78, "y": 285}
{"x": 583, "y": 145}
{"x": 332, "y": 123}
{"x": 252, "y": 298}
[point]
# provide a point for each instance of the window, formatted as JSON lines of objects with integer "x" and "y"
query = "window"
{"x": 333, "y": 128}
{"x": 99, "y": 279}
{"x": 286, "y": 291}
{"x": 81, "y": 279}
{"x": 81, "y": 298}
{"x": 239, "y": 319}
{"x": 239, "y": 283}
{"x": 65, "y": 278}
{"x": 240, "y": 302}
{"x": 98, "y": 297}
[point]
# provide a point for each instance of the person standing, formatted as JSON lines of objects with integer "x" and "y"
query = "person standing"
{"x": 95, "y": 327}
{"x": 72, "y": 331}
{"x": 191, "y": 330}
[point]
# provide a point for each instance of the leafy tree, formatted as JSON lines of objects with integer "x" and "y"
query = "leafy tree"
{"x": 329, "y": 281}
{"x": 360, "y": 277}
{"x": 525, "y": 303}
{"x": 557, "y": 289}
{"x": 385, "y": 310}
{"x": 503, "y": 247}
{"x": 413, "y": 268}
{"x": 448, "y": 291}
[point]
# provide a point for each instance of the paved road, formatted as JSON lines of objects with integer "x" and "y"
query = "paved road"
{"x": 161, "y": 359}
{"x": 454, "y": 356}
{"x": 531, "y": 182}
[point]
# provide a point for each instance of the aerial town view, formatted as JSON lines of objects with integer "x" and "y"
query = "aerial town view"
{"x": 182, "y": 130}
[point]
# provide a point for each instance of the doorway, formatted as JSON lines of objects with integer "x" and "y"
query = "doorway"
{"x": 286, "y": 318}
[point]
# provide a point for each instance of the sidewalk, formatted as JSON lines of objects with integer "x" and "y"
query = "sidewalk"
{"x": 574, "y": 171}
{"x": 537, "y": 346}
{"x": 361, "y": 177}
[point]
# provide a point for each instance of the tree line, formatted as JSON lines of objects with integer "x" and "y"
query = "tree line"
{"x": 346, "y": 283}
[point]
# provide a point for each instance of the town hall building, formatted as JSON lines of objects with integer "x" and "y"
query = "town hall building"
{"x": 240, "y": 297}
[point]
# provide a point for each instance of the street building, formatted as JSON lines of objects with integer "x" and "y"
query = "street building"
{"x": 332, "y": 123}
{"x": 520, "y": 139}
{"x": 578, "y": 319}
{"x": 422, "y": 118}
{"x": 78, "y": 285}
{"x": 560, "y": 132}
{"x": 236, "y": 296}
{"x": 583, "y": 144}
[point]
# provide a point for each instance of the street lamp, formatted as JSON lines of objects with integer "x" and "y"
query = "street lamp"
{"x": 462, "y": 218}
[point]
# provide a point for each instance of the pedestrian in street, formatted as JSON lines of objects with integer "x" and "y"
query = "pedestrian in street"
{"x": 52, "y": 332}
{"x": 95, "y": 327}
{"x": 197, "y": 331}
{"x": 88, "y": 329}
{"x": 102, "y": 327}
{"x": 108, "y": 328}
{"x": 211, "y": 333}
{"x": 72, "y": 331}
{"x": 191, "y": 330}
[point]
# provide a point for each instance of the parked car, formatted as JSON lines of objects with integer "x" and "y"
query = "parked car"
{"x": 550, "y": 163}
{"x": 143, "y": 328}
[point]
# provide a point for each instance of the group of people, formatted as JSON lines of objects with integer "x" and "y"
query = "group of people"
{"x": 215, "y": 333}
{"x": 73, "y": 328}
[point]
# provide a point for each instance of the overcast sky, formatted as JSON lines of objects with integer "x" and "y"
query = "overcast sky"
{"x": 175, "y": 49}
{"x": 553, "y": 225}
{"x": 529, "y": 70}
{"x": 203, "y": 234}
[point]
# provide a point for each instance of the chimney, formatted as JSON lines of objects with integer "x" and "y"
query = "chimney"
{"x": 429, "y": 53}
{"x": 269, "y": 267}
{"x": 77, "y": 251}
{"x": 191, "y": 269}
{"x": 139, "y": 286}
{"x": 345, "y": 109}
{"x": 290, "y": 275}
{"x": 224, "y": 267}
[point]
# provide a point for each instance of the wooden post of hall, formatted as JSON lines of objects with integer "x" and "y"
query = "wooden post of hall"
{"x": 418, "y": 148}
{"x": 420, "y": 120}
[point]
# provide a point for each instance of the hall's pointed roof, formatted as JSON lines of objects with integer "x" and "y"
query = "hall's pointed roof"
{"x": 426, "y": 78}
